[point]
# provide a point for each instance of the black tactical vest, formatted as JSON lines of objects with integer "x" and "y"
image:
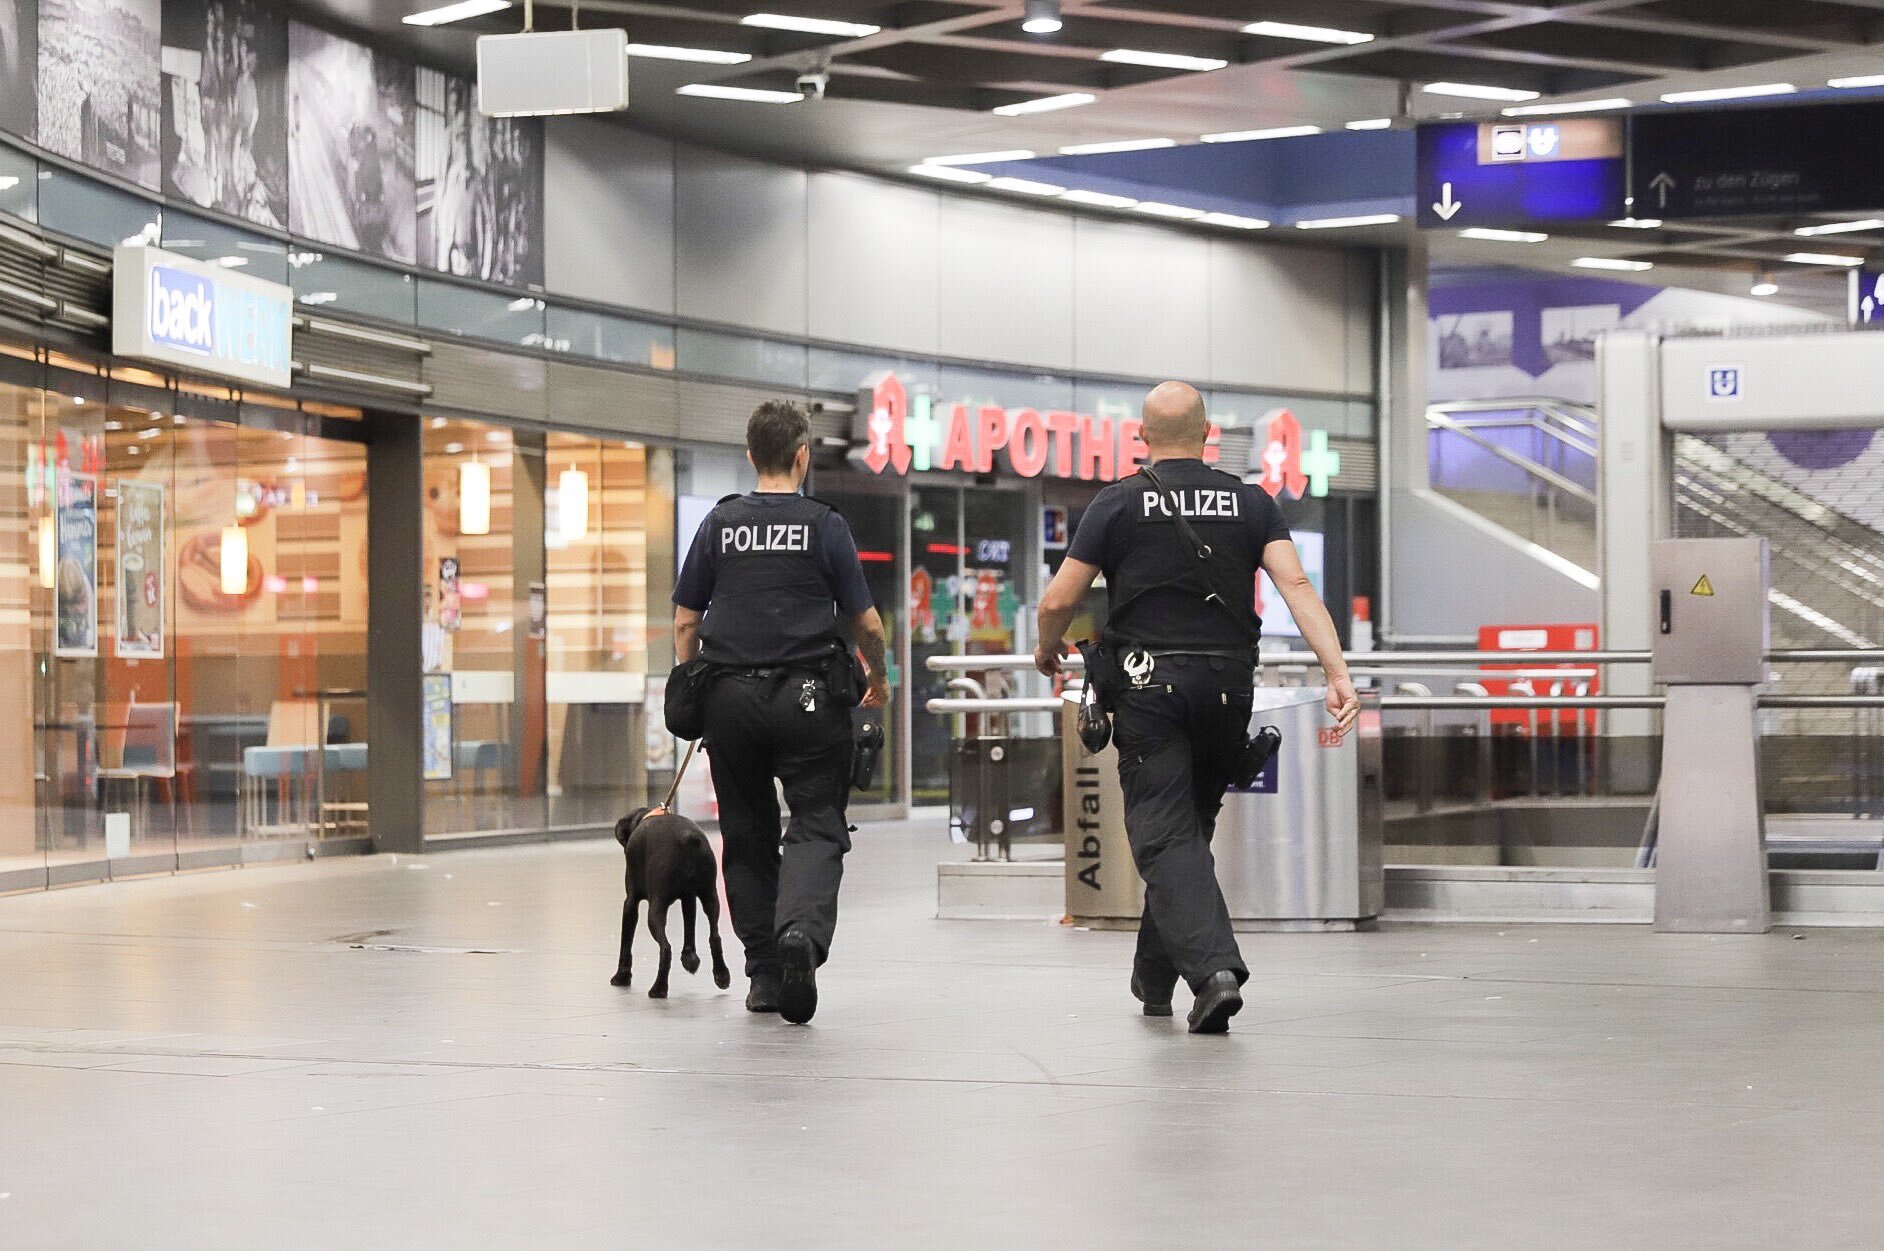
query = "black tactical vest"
{"x": 772, "y": 601}
{"x": 1157, "y": 589}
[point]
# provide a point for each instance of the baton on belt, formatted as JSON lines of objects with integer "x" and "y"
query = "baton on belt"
{"x": 667, "y": 805}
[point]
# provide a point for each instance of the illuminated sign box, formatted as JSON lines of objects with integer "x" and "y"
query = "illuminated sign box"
{"x": 1521, "y": 173}
{"x": 203, "y": 318}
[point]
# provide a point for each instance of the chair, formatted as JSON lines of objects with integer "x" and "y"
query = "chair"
{"x": 283, "y": 760}
{"x": 145, "y": 741}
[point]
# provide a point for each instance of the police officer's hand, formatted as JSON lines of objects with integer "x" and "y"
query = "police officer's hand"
{"x": 1047, "y": 657}
{"x": 1343, "y": 704}
{"x": 877, "y": 694}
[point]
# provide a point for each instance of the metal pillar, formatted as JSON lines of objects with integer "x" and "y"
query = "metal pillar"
{"x": 395, "y": 769}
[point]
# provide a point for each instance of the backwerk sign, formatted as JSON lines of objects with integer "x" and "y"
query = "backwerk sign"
{"x": 903, "y": 433}
{"x": 176, "y": 311}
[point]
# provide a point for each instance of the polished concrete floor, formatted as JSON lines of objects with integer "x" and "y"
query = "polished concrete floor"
{"x": 426, "y": 1053}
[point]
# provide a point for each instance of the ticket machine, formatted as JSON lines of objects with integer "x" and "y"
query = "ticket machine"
{"x": 1709, "y": 641}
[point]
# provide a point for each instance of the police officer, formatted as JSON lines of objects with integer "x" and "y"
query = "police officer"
{"x": 761, "y": 594}
{"x": 1185, "y": 656}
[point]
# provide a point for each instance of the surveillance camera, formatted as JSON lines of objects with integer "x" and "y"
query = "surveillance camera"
{"x": 812, "y": 84}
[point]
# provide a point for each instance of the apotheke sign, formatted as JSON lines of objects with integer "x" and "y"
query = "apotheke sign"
{"x": 904, "y": 433}
{"x": 204, "y": 318}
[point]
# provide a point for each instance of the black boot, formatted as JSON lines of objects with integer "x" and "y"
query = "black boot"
{"x": 1156, "y": 1004}
{"x": 798, "y": 993}
{"x": 1218, "y": 999}
{"x": 762, "y": 995}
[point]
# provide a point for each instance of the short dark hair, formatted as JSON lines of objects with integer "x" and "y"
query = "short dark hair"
{"x": 777, "y": 430}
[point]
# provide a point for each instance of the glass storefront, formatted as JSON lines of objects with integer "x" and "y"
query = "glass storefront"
{"x": 185, "y": 613}
{"x": 536, "y": 644}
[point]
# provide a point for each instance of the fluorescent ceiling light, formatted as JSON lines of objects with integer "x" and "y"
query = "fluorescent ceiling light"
{"x": 1638, "y": 223}
{"x": 1578, "y": 106}
{"x": 1479, "y": 91}
{"x": 1863, "y": 80}
{"x": 1611, "y": 262}
{"x": 948, "y": 173}
{"x": 1728, "y": 93}
{"x": 809, "y": 25}
{"x": 1024, "y": 186}
{"x": 1162, "y": 60}
{"x": 1098, "y": 199}
{"x": 1841, "y": 228}
{"x": 1338, "y": 223}
{"x": 752, "y": 95}
{"x": 1233, "y": 221}
{"x": 445, "y": 13}
{"x": 1313, "y": 34}
{"x": 1274, "y": 132}
{"x": 1503, "y": 236}
{"x": 982, "y": 158}
{"x": 1118, "y": 145}
{"x": 1372, "y": 123}
{"x": 1823, "y": 258}
{"x": 1158, "y": 208}
{"x": 1046, "y": 104}
{"x": 705, "y": 56}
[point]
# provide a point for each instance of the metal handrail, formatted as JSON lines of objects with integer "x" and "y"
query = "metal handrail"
{"x": 1548, "y": 476}
{"x": 1454, "y": 703}
{"x": 1529, "y": 422}
{"x": 1370, "y": 661}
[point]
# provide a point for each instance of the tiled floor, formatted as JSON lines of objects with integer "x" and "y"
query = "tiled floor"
{"x": 426, "y": 1053}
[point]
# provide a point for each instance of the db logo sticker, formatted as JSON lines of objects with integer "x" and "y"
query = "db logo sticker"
{"x": 1328, "y": 736}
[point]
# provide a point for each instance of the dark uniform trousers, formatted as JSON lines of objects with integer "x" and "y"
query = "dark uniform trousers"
{"x": 757, "y": 729}
{"x": 1178, "y": 739}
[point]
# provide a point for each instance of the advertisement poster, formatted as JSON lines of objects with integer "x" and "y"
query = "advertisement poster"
{"x": 225, "y": 107}
{"x": 140, "y": 587}
{"x": 350, "y": 145}
{"x": 479, "y": 185}
{"x": 77, "y": 575}
{"x": 437, "y": 695}
{"x": 450, "y": 605}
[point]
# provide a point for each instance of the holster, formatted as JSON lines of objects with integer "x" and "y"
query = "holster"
{"x": 1258, "y": 750}
{"x": 844, "y": 676}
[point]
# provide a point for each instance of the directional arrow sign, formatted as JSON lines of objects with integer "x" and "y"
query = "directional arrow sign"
{"x": 1661, "y": 185}
{"x": 1472, "y": 174}
{"x": 1447, "y": 207}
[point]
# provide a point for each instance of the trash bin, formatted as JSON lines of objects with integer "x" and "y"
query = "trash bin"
{"x": 1299, "y": 850}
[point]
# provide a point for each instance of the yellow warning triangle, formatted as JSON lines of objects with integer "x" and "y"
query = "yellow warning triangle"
{"x": 1703, "y": 587}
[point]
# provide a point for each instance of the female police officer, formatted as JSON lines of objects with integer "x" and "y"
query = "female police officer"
{"x": 759, "y": 597}
{"x": 1182, "y": 698}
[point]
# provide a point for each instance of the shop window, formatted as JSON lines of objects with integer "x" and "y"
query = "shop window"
{"x": 187, "y": 627}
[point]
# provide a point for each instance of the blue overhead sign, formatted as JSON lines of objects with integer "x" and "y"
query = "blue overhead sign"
{"x": 1519, "y": 174}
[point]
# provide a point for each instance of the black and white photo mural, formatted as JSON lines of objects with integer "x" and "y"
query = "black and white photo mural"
{"x": 480, "y": 186}
{"x": 98, "y": 71}
{"x": 225, "y": 112}
{"x": 350, "y": 145}
{"x": 19, "y": 53}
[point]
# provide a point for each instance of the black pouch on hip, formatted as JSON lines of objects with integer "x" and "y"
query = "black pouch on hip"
{"x": 1258, "y": 750}
{"x": 844, "y": 676}
{"x": 684, "y": 705}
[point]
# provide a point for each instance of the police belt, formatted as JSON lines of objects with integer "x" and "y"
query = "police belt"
{"x": 1242, "y": 655}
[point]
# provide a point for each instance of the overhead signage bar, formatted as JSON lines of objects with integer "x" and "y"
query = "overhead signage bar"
{"x": 1812, "y": 158}
{"x": 1520, "y": 173}
{"x": 204, "y": 318}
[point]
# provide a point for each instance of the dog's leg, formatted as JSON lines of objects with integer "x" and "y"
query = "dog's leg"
{"x": 689, "y": 956}
{"x": 657, "y": 926}
{"x": 624, "y": 964}
{"x": 722, "y": 976}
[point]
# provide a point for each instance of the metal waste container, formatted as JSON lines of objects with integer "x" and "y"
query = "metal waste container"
{"x": 1299, "y": 850}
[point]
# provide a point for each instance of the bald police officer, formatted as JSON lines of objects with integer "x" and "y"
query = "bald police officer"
{"x": 1186, "y": 656}
{"x": 760, "y": 596}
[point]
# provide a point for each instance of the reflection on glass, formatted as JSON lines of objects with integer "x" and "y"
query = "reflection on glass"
{"x": 19, "y": 184}
{"x": 176, "y": 709}
{"x": 322, "y": 281}
{"x": 622, "y": 339}
{"x": 480, "y": 314}
{"x": 76, "y": 205}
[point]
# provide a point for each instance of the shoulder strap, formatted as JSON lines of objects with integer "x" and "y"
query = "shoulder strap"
{"x": 1207, "y": 572}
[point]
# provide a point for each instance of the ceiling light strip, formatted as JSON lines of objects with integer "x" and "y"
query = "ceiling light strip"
{"x": 1162, "y": 60}
{"x": 1248, "y": 136}
{"x": 1575, "y": 106}
{"x": 1728, "y": 93}
{"x": 750, "y": 95}
{"x": 809, "y": 25}
{"x": 1046, "y": 104}
{"x": 447, "y": 13}
{"x": 1480, "y": 91}
{"x": 702, "y": 56}
{"x": 1342, "y": 223}
{"x": 1310, "y": 34}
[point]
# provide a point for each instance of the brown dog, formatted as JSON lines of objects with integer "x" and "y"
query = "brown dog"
{"x": 668, "y": 859}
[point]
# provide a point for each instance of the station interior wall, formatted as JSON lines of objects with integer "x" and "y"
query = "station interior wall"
{"x": 641, "y": 221}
